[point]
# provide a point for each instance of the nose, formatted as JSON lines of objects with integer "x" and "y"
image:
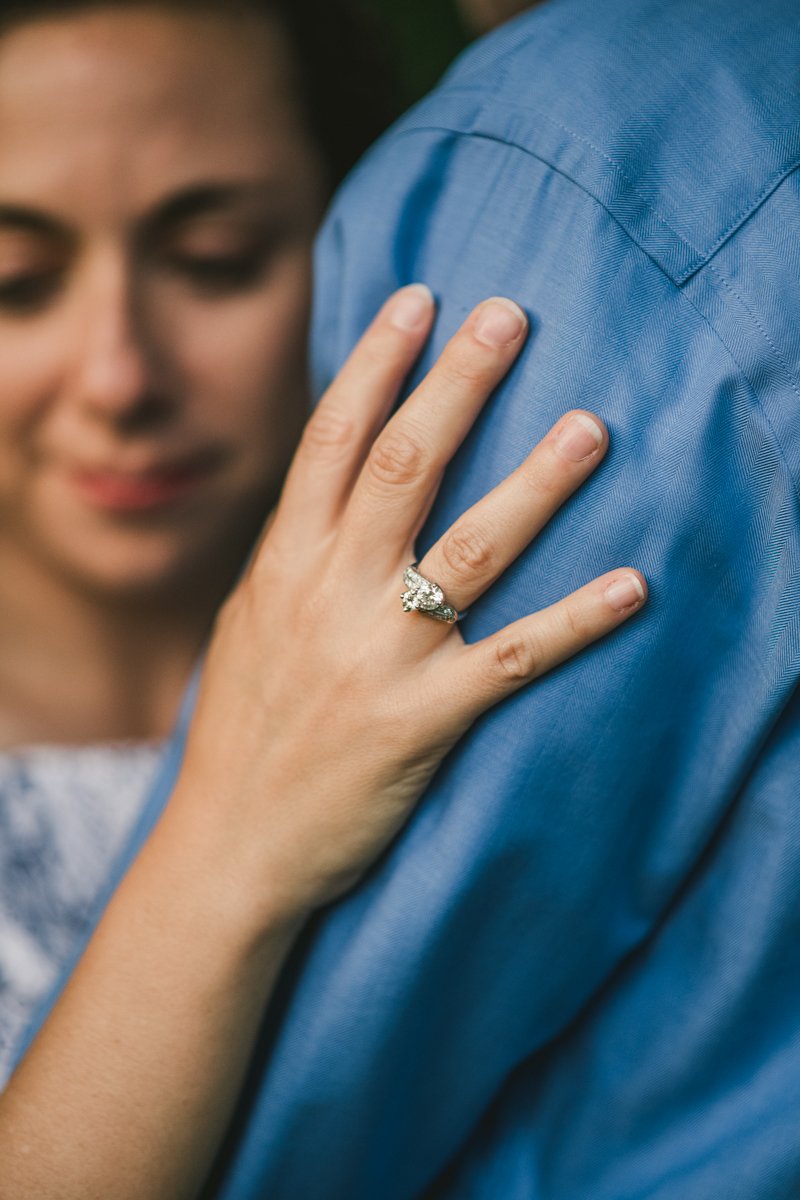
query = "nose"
{"x": 115, "y": 379}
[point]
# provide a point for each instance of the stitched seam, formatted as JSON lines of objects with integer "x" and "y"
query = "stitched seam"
{"x": 746, "y": 378}
{"x": 701, "y": 257}
{"x": 759, "y": 326}
{"x": 751, "y": 205}
{"x": 771, "y": 184}
{"x": 578, "y": 138}
{"x": 676, "y": 284}
{"x": 488, "y": 137}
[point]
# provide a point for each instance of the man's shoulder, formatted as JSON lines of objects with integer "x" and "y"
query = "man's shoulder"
{"x": 679, "y": 116}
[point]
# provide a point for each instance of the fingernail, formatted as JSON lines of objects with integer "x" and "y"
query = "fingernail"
{"x": 624, "y": 593}
{"x": 500, "y": 322}
{"x": 579, "y": 438}
{"x": 411, "y": 308}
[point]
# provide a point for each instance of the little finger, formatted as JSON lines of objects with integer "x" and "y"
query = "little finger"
{"x": 487, "y": 671}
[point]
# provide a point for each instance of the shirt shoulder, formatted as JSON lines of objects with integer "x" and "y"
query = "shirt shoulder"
{"x": 577, "y": 133}
{"x": 681, "y": 118}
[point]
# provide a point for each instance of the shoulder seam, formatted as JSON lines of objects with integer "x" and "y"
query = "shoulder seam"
{"x": 701, "y": 257}
{"x": 487, "y": 137}
{"x": 746, "y": 377}
{"x": 579, "y": 138}
{"x": 786, "y": 369}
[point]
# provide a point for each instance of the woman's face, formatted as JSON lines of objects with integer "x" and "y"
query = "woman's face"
{"x": 158, "y": 197}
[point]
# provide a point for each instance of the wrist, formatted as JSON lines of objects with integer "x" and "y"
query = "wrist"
{"x": 230, "y": 865}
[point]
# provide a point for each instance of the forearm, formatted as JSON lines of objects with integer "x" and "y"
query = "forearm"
{"x": 131, "y": 1083}
{"x": 317, "y": 728}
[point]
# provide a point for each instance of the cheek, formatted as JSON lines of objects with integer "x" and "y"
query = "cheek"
{"x": 31, "y": 368}
{"x": 244, "y": 358}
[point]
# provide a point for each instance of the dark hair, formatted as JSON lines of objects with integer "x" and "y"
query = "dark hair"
{"x": 348, "y": 82}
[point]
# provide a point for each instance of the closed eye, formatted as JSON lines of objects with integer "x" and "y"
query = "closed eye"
{"x": 28, "y": 292}
{"x": 216, "y": 274}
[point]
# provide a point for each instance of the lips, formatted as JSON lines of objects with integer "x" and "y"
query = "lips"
{"x": 139, "y": 492}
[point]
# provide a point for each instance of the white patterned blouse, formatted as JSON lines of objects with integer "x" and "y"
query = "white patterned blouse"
{"x": 65, "y": 813}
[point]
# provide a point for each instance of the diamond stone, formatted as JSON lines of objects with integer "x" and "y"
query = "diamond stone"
{"x": 422, "y": 595}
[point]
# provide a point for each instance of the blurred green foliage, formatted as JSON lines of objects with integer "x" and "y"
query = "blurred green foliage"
{"x": 427, "y": 36}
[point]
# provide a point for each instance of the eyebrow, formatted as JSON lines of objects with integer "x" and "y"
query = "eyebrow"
{"x": 202, "y": 199}
{"x": 192, "y": 202}
{"x": 16, "y": 216}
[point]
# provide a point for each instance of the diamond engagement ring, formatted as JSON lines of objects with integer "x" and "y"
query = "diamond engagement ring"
{"x": 425, "y": 597}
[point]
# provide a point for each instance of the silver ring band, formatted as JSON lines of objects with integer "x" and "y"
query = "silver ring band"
{"x": 425, "y": 597}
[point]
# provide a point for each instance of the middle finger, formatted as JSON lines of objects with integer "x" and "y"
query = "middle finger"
{"x": 405, "y": 465}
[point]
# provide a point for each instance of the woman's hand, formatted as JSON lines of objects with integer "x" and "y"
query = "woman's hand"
{"x": 326, "y": 708}
{"x": 324, "y": 711}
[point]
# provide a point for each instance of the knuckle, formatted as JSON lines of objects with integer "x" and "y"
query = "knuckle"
{"x": 395, "y": 458}
{"x": 463, "y": 368}
{"x": 575, "y": 622}
{"x": 517, "y": 656}
{"x": 329, "y": 431}
{"x": 384, "y": 348}
{"x": 468, "y": 551}
{"x": 544, "y": 480}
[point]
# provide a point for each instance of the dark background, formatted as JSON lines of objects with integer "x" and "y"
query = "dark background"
{"x": 426, "y": 36}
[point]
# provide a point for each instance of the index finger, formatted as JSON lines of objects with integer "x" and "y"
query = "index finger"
{"x": 349, "y": 416}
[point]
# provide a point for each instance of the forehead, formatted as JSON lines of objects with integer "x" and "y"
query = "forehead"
{"x": 113, "y": 109}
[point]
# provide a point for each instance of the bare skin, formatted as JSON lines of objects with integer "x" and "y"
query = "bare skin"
{"x": 318, "y": 726}
{"x": 158, "y": 199}
{"x": 483, "y": 15}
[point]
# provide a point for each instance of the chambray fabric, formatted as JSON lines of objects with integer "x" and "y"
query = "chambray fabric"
{"x": 576, "y": 976}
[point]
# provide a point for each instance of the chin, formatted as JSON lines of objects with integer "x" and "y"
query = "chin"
{"x": 130, "y": 563}
{"x": 134, "y": 570}
{"x": 186, "y": 553}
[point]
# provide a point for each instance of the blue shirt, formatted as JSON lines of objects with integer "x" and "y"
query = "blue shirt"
{"x": 576, "y": 976}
